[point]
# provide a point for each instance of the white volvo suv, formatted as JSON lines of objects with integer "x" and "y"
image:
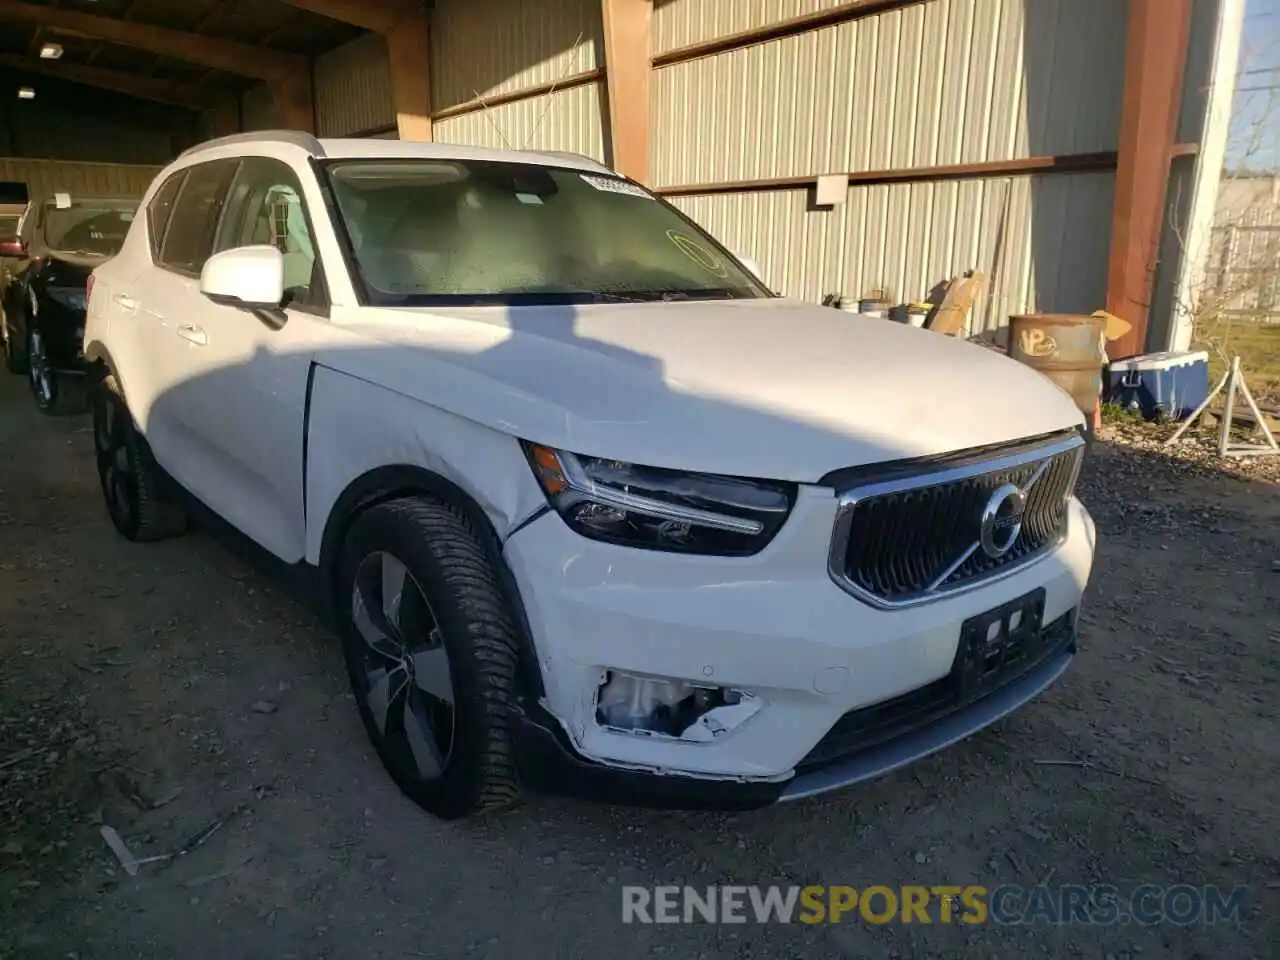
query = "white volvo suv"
{"x": 593, "y": 510}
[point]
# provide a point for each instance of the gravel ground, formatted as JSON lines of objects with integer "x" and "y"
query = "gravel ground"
{"x": 159, "y": 689}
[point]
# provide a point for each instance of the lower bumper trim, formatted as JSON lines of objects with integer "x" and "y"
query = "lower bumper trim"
{"x": 918, "y": 744}
{"x": 547, "y": 763}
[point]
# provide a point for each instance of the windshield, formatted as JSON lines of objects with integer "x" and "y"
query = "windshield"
{"x": 446, "y": 231}
{"x": 96, "y": 228}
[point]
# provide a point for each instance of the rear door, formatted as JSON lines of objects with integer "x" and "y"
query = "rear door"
{"x": 165, "y": 303}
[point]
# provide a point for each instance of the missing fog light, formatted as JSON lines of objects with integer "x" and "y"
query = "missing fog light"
{"x": 650, "y": 706}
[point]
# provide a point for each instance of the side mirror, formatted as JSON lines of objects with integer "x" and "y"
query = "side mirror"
{"x": 12, "y": 248}
{"x": 249, "y": 277}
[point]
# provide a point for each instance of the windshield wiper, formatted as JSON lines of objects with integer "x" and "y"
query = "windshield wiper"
{"x": 618, "y": 298}
{"x": 655, "y": 296}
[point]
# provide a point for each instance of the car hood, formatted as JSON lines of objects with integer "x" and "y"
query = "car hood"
{"x": 760, "y": 388}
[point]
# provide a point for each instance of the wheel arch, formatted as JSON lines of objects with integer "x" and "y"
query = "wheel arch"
{"x": 397, "y": 481}
{"x": 98, "y": 361}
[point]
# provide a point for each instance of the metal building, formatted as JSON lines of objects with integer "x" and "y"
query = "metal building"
{"x": 1068, "y": 149}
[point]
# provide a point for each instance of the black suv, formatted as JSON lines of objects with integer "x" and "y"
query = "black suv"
{"x": 60, "y": 242}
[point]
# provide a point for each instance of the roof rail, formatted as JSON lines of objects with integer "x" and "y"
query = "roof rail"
{"x": 294, "y": 137}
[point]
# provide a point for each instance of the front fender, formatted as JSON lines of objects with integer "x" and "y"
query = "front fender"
{"x": 355, "y": 427}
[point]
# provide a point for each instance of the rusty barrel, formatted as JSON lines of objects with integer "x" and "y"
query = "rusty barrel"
{"x": 1067, "y": 348}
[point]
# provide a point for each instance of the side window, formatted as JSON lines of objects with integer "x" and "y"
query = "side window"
{"x": 161, "y": 209}
{"x": 266, "y": 207}
{"x": 189, "y": 239}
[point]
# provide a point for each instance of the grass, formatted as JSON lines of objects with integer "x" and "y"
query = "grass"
{"x": 1258, "y": 347}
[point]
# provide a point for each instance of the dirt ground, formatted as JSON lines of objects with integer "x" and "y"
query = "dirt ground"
{"x": 158, "y": 688}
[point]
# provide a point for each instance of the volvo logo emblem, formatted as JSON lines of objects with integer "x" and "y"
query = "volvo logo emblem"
{"x": 1002, "y": 520}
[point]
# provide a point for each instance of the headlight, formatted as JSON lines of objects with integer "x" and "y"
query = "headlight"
{"x": 660, "y": 509}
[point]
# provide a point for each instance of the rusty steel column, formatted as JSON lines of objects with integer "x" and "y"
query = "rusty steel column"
{"x": 409, "y": 50}
{"x": 1155, "y": 60}
{"x": 628, "y": 26}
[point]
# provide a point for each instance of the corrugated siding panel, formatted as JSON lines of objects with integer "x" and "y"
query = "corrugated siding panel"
{"x": 353, "y": 88}
{"x": 944, "y": 82}
{"x": 1041, "y": 240}
{"x": 798, "y": 252}
{"x": 682, "y": 22}
{"x": 258, "y": 109}
{"x": 565, "y": 120}
{"x": 501, "y": 46}
{"x": 46, "y": 177}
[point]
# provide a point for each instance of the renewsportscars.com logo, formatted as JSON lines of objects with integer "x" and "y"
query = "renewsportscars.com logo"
{"x": 1010, "y": 905}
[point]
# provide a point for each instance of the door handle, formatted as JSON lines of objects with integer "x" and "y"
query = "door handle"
{"x": 193, "y": 334}
{"x": 125, "y": 302}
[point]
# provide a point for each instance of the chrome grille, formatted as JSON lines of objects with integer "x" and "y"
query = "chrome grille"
{"x": 917, "y": 538}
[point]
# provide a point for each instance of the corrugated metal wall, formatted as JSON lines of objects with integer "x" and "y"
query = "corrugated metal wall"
{"x": 502, "y": 46}
{"x": 564, "y": 120}
{"x": 905, "y": 238}
{"x": 353, "y": 88}
{"x": 678, "y": 23}
{"x": 46, "y": 177}
{"x": 943, "y": 82}
{"x": 936, "y": 83}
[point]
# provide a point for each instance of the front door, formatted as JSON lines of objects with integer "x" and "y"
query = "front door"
{"x": 242, "y": 402}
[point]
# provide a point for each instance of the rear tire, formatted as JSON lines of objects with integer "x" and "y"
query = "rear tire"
{"x": 431, "y": 651}
{"x": 131, "y": 483}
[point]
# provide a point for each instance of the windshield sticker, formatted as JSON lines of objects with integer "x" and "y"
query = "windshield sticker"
{"x": 531, "y": 198}
{"x": 62, "y": 201}
{"x": 698, "y": 253}
{"x": 614, "y": 185}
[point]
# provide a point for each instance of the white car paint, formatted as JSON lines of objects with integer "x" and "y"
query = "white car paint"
{"x": 768, "y": 388}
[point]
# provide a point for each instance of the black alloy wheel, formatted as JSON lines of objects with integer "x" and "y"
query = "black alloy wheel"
{"x": 43, "y": 381}
{"x": 431, "y": 653}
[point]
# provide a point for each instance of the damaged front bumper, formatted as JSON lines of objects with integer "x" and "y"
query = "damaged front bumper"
{"x": 774, "y": 630}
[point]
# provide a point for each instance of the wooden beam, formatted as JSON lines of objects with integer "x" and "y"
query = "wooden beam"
{"x": 409, "y": 49}
{"x": 405, "y": 25}
{"x": 132, "y": 84}
{"x": 628, "y": 27}
{"x": 226, "y": 55}
{"x": 1023, "y": 166}
{"x": 380, "y": 16}
{"x": 1155, "y": 59}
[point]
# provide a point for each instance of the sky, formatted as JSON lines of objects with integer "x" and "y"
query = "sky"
{"x": 1254, "y": 141}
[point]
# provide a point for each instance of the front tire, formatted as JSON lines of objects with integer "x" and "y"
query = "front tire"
{"x": 431, "y": 650}
{"x": 130, "y": 481}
